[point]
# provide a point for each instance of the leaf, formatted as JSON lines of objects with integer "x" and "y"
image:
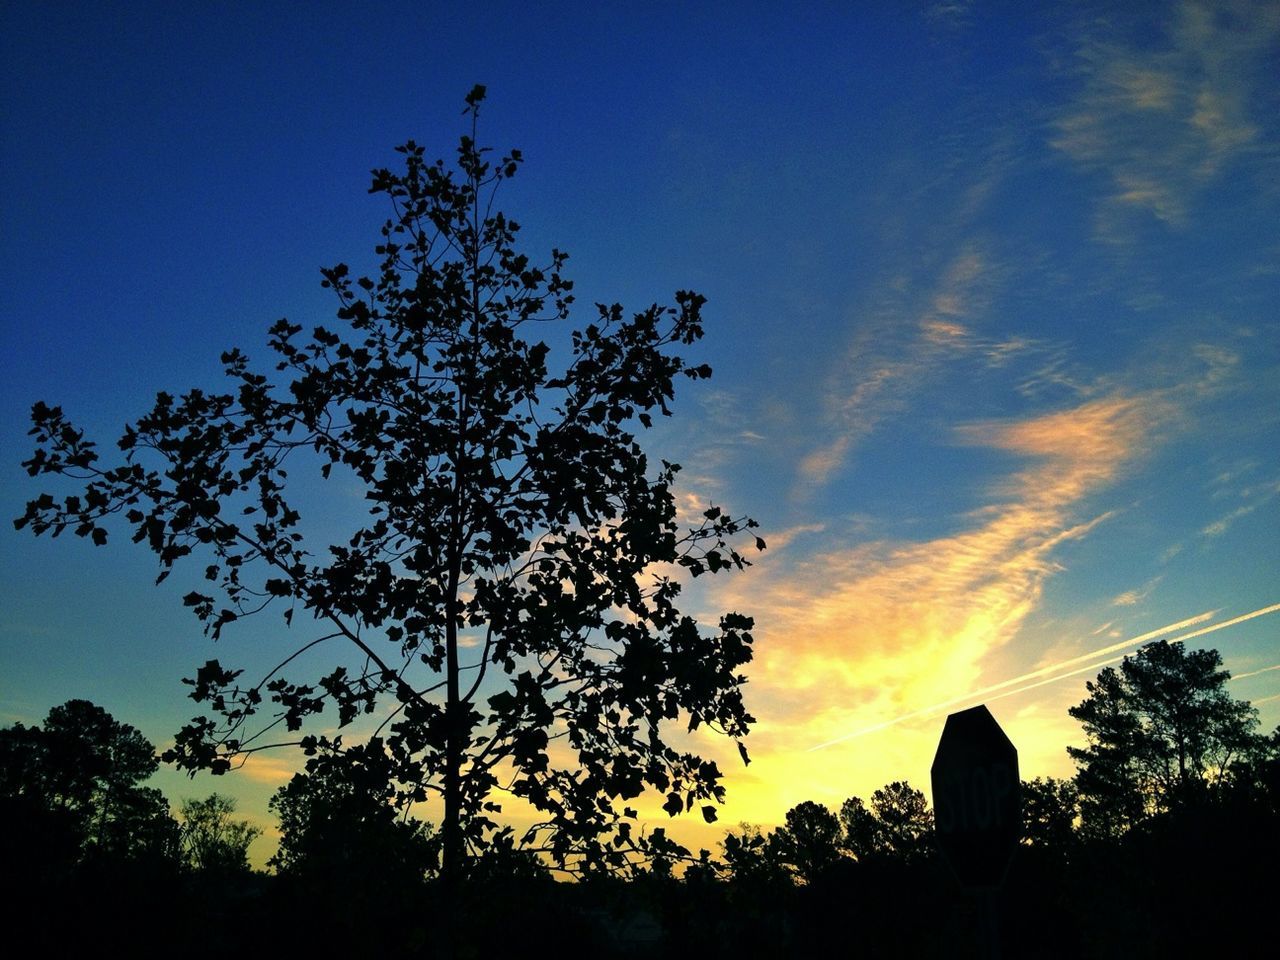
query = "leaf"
{"x": 709, "y": 813}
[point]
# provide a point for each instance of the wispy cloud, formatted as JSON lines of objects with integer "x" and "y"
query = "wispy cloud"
{"x": 270, "y": 769}
{"x": 1255, "y": 497}
{"x": 955, "y": 13}
{"x": 893, "y": 355}
{"x": 853, "y": 638}
{"x": 864, "y": 629}
{"x": 729, "y": 427}
{"x": 1161, "y": 120}
{"x": 1223, "y": 482}
{"x": 850, "y": 637}
{"x": 1130, "y": 598}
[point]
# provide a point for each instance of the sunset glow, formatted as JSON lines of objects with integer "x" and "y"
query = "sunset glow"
{"x": 993, "y": 312}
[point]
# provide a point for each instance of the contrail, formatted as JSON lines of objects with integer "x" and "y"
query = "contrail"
{"x": 1228, "y": 623}
{"x": 1151, "y": 635}
{"x": 1254, "y": 673}
{"x": 1186, "y": 636}
{"x": 1043, "y": 672}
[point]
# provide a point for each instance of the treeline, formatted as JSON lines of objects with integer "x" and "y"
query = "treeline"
{"x": 1159, "y": 846}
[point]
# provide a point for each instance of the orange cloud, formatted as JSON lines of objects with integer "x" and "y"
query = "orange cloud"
{"x": 850, "y": 638}
{"x": 272, "y": 770}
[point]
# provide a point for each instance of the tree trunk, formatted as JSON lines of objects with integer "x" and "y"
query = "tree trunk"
{"x": 451, "y": 829}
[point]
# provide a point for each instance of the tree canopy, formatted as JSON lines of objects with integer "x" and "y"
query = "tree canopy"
{"x": 213, "y": 842}
{"x": 507, "y": 596}
{"x": 1049, "y": 810}
{"x": 338, "y": 825}
{"x": 897, "y": 826}
{"x": 75, "y": 784}
{"x": 346, "y": 854}
{"x": 809, "y": 841}
{"x": 1162, "y": 732}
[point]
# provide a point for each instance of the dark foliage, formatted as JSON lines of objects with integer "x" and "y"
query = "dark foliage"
{"x": 74, "y": 786}
{"x": 897, "y": 826}
{"x": 809, "y": 842}
{"x": 339, "y": 828}
{"x": 1050, "y": 808}
{"x": 355, "y": 876}
{"x": 496, "y": 591}
{"x": 213, "y": 842}
{"x": 1163, "y": 733}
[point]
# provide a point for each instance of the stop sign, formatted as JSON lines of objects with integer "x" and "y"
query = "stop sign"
{"x": 976, "y": 797}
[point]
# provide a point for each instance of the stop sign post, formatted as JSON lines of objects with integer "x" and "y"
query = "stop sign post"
{"x": 976, "y": 797}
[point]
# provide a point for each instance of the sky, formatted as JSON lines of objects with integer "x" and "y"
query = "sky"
{"x": 993, "y": 297}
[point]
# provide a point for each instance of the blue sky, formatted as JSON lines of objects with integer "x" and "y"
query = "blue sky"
{"x": 992, "y": 290}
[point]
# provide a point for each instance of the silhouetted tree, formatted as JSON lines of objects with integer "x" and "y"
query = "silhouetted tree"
{"x": 51, "y": 837}
{"x": 79, "y": 777}
{"x": 339, "y": 825}
{"x": 898, "y": 825}
{"x": 212, "y": 842}
{"x": 1049, "y": 810}
{"x": 1255, "y": 779}
{"x": 347, "y": 853}
{"x": 750, "y": 858}
{"x": 759, "y": 892}
{"x": 861, "y": 829}
{"x": 505, "y": 862}
{"x": 809, "y": 842}
{"x": 1162, "y": 732}
{"x": 514, "y": 579}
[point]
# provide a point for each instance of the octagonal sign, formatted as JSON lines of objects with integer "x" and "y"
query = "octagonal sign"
{"x": 976, "y": 797}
